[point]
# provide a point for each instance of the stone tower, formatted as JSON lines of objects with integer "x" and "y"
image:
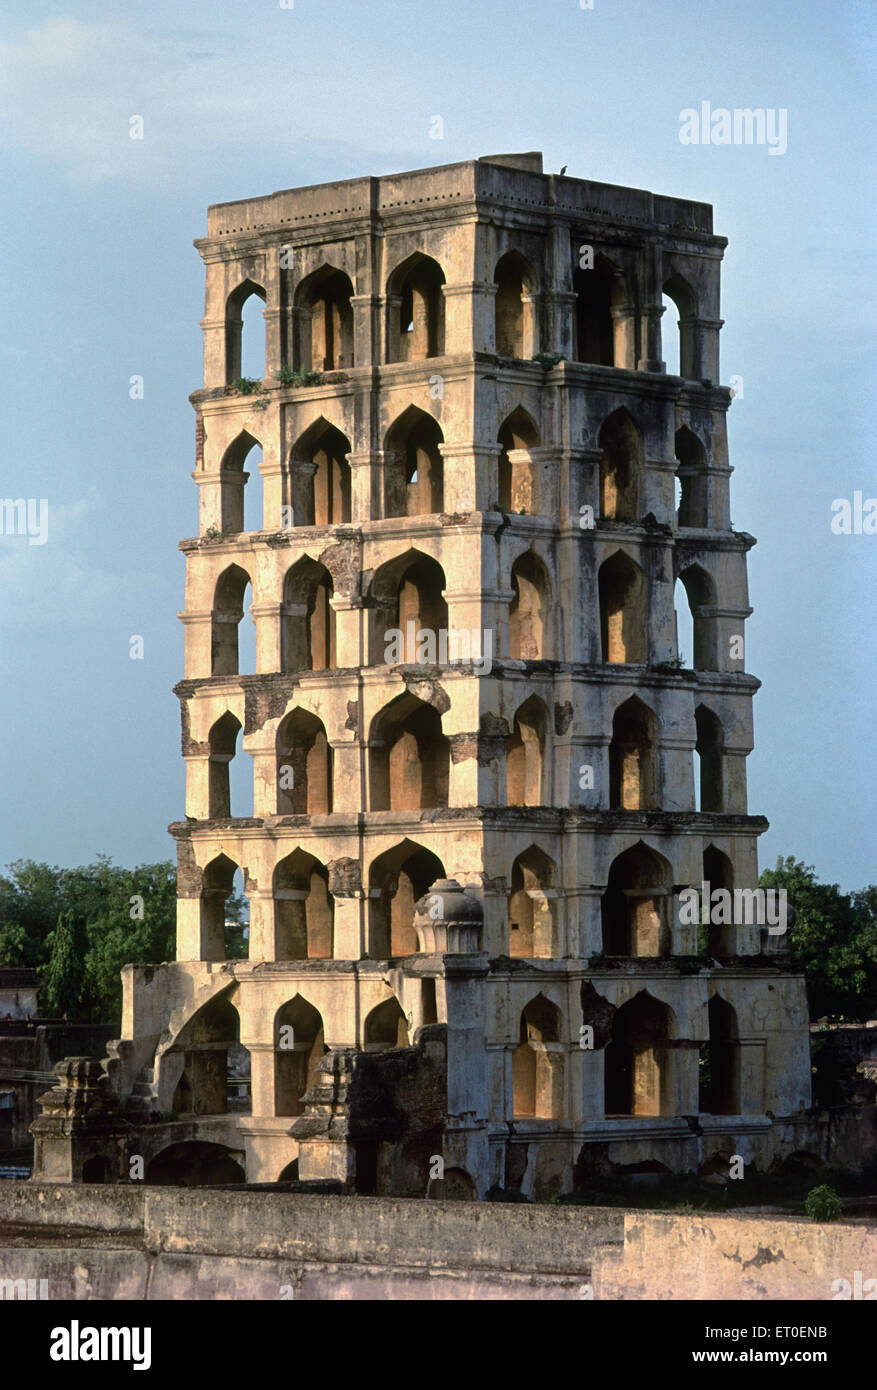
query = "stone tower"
{"x": 479, "y": 486}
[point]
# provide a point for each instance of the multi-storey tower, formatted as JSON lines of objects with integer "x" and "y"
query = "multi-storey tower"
{"x": 479, "y": 486}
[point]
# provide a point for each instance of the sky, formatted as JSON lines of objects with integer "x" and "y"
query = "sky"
{"x": 102, "y": 283}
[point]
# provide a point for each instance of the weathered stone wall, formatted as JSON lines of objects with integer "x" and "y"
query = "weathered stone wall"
{"x": 158, "y": 1243}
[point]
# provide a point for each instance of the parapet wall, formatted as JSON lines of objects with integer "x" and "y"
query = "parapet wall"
{"x": 159, "y": 1243}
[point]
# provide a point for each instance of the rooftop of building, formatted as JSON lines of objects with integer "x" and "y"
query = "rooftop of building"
{"x": 517, "y": 180}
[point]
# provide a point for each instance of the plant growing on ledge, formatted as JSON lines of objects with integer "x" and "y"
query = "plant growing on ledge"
{"x": 212, "y": 534}
{"x": 287, "y": 377}
{"x": 247, "y": 385}
{"x": 823, "y": 1203}
{"x": 547, "y": 360}
{"x": 676, "y": 663}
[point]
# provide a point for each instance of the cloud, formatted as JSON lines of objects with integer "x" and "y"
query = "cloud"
{"x": 71, "y": 88}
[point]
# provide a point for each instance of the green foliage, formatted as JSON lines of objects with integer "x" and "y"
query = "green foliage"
{"x": 247, "y": 385}
{"x": 547, "y": 360}
{"x": 835, "y": 935}
{"x": 287, "y": 377}
{"x": 823, "y": 1203}
{"x": 78, "y": 927}
{"x": 213, "y": 534}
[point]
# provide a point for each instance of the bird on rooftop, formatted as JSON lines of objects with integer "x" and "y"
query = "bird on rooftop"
{"x": 563, "y": 170}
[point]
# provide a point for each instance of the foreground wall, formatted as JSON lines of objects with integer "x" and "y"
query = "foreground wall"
{"x": 161, "y": 1243}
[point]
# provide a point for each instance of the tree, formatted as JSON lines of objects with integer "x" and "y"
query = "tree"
{"x": 63, "y": 980}
{"x": 835, "y": 935}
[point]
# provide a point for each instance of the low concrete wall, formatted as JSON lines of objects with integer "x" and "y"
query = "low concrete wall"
{"x": 666, "y": 1256}
{"x": 197, "y": 1243}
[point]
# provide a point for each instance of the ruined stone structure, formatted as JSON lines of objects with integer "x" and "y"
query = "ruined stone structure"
{"x": 482, "y": 770}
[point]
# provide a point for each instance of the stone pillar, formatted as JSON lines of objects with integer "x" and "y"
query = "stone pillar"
{"x": 79, "y": 1137}
{"x": 752, "y": 1075}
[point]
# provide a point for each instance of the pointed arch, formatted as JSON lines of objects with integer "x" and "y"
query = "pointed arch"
{"x": 233, "y": 480}
{"x": 635, "y": 904}
{"x": 710, "y": 751}
{"x": 639, "y": 1071}
{"x": 304, "y": 766}
{"x": 718, "y": 872}
{"x": 692, "y": 480}
{"x": 538, "y": 1062}
{"x": 398, "y": 878}
{"x": 308, "y": 631}
{"x": 519, "y": 482}
{"x": 678, "y": 289}
{"x": 413, "y": 465}
{"x": 633, "y": 760}
{"x": 323, "y": 318}
{"x": 409, "y": 757}
{"x": 415, "y": 310}
{"x": 234, "y": 322}
{"x": 299, "y": 1047}
{"x": 526, "y": 762}
{"x": 532, "y": 905}
{"x": 228, "y": 609}
{"x": 513, "y": 307}
{"x": 205, "y": 1041}
{"x": 622, "y": 591}
{"x": 304, "y": 909}
{"x": 598, "y": 292}
{"x": 221, "y": 741}
{"x": 407, "y": 590}
{"x": 701, "y": 598}
{"x": 621, "y": 466}
{"x": 385, "y": 1027}
{"x": 720, "y": 1061}
{"x": 529, "y": 610}
{"x": 217, "y": 885}
{"x": 318, "y": 483}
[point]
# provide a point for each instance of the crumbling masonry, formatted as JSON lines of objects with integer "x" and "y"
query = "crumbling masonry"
{"x": 474, "y": 741}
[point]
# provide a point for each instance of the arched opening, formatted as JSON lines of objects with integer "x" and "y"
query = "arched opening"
{"x": 222, "y": 743}
{"x": 529, "y": 609}
{"x": 597, "y": 292}
{"x": 622, "y": 589}
{"x": 696, "y": 622}
{"x": 213, "y": 1061}
{"x": 323, "y": 315}
{"x": 638, "y": 1060}
{"x": 217, "y": 886}
{"x": 406, "y": 597}
{"x": 633, "y": 770}
{"x": 239, "y": 504}
{"x": 385, "y": 1027}
{"x": 320, "y": 477}
{"x": 635, "y": 904}
{"x": 518, "y": 475}
{"x": 532, "y": 906}
{"x": 621, "y": 467}
{"x": 526, "y": 766}
{"x": 413, "y": 466}
{"x": 719, "y": 1062}
{"x": 245, "y": 350}
{"x": 96, "y": 1169}
{"x": 415, "y": 308}
{"x": 397, "y": 880}
{"x": 193, "y": 1163}
{"x": 682, "y": 297}
{"x": 538, "y": 1062}
{"x": 308, "y": 630}
{"x": 298, "y": 1050}
{"x": 304, "y": 909}
{"x": 513, "y": 307}
{"x": 228, "y": 609}
{"x": 718, "y": 872}
{"x": 409, "y": 757}
{"x": 709, "y": 749}
{"x": 304, "y": 766}
{"x": 691, "y": 477}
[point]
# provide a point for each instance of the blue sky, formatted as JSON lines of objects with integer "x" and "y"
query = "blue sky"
{"x": 101, "y": 283}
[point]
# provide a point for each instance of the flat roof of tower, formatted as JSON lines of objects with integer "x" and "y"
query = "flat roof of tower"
{"x": 517, "y": 179}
